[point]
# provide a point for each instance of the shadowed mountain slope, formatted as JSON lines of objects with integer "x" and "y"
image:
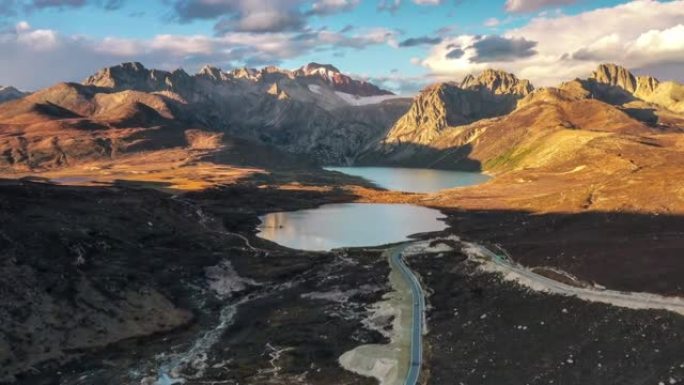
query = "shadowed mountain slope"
{"x": 597, "y": 131}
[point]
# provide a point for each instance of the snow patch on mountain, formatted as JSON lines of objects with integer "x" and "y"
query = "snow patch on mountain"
{"x": 315, "y": 88}
{"x": 356, "y": 100}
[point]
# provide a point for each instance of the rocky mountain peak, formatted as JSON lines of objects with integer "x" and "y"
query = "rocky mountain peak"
{"x": 180, "y": 73}
{"x": 134, "y": 76}
{"x": 617, "y": 85}
{"x": 323, "y": 70}
{"x": 274, "y": 70}
{"x": 498, "y": 82}
{"x": 646, "y": 84}
{"x": 615, "y": 75}
{"x": 131, "y": 75}
{"x": 131, "y": 67}
{"x": 213, "y": 73}
{"x": 339, "y": 81}
{"x": 443, "y": 105}
{"x": 245, "y": 73}
{"x": 10, "y": 93}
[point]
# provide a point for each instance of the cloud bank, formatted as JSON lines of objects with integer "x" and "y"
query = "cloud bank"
{"x": 34, "y": 58}
{"x": 642, "y": 34}
{"x": 523, "y": 6}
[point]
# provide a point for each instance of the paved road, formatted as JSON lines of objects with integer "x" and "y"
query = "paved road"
{"x": 618, "y": 298}
{"x": 417, "y": 315}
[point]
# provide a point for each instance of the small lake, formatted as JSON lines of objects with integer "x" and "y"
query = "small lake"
{"x": 414, "y": 179}
{"x": 348, "y": 225}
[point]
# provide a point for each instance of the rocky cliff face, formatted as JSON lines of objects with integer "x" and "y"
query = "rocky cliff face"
{"x": 134, "y": 76}
{"x": 498, "y": 83}
{"x": 617, "y": 85}
{"x": 616, "y": 76}
{"x": 492, "y": 93}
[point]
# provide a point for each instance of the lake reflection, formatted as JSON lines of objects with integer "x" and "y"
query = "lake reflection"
{"x": 348, "y": 225}
{"x": 414, "y": 179}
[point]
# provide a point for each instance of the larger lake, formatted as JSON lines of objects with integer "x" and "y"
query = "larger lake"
{"x": 414, "y": 179}
{"x": 348, "y": 225}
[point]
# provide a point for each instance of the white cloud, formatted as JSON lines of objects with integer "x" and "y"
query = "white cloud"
{"x": 400, "y": 84}
{"x": 389, "y": 5}
{"x": 118, "y": 47}
{"x": 665, "y": 44}
{"x": 641, "y": 34}
{"x": 14, "y": 7}
{"x": 325, "y": 7}
{"x": 492, "y": 22}
{"x": 521, "y": 6}
{"x": 428, "y": 2}
{"x": 35, "y": 58}
{"x": 259, "y": 16}
{"x": 393, "y": 5}
{"x": 187, "y": 45}
{"x": 39, "y": 39}
{"x": 22, "y": 26}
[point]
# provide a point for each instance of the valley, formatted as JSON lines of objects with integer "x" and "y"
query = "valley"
{"x": 132, "y": 203}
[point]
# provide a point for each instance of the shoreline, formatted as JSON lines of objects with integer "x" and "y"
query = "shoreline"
{"x": 388, "y": 363}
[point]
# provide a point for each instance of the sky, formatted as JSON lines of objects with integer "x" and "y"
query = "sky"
{"x": 402, "y": 45}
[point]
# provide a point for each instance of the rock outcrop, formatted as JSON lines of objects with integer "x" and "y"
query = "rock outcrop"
{"x": 134, "y": 76}
{"x": 616, "y": 76}
{"x": 492, "y": 93}
{"x": 617, "y": 85}
{"x": 498, "y": 82}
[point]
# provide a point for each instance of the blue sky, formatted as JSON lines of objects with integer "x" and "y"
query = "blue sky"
{"x": 47, "y": 41}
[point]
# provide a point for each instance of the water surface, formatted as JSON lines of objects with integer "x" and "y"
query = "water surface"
{"x": 74, "y": 179}
{"x": 418, "y": 180}
{"x": 348, "y": 225}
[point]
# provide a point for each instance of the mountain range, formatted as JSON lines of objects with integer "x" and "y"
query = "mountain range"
{"x": 314, "y": 110}
{"x": 500, "y": 119}
{"x": 492, "y": 121}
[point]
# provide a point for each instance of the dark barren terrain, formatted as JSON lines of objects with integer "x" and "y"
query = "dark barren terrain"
{"x": 485, "y": 331}
{"x": 108, "y": 283}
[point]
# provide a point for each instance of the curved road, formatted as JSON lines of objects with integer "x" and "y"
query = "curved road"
{"x": 416, "y": 316}
{"x": 630, "y": 300}
{"x": 623, "y": 299}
